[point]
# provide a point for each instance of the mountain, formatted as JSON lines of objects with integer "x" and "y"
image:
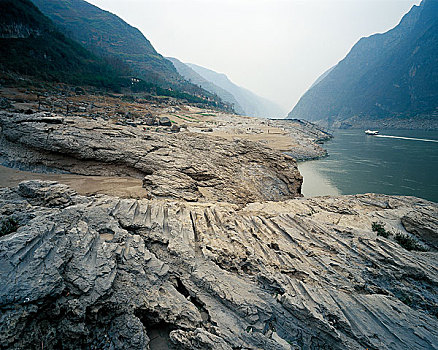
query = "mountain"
{"x": 251, "y": 104}
{"x": 322, "y": 76}
{"x": 107, "y": 35}
{"x": 390, "y": 75}
{"x": 193, "y": 77}
{"x": 30, "y": 44}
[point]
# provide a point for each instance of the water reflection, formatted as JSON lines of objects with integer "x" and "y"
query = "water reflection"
{"x": 314, "y": 183}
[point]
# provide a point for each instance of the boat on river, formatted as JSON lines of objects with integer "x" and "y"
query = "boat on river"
{"x": 371, "y": 132}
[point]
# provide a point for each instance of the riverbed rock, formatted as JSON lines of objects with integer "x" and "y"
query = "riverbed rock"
{"x": 190, "y": 166}
{"x": 423, "y": 224}
{"x": 4, "y": 103}
{"x": 307, "y": 136}
{"x": 151, "y": 121}
{"x": 102, "y": 272}
{"x": 175, "y": 128}
{"x": 165, "y": 121}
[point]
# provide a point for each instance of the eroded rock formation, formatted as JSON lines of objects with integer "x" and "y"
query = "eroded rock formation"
{"x": 173, "y": 165}
{"x": 108, "y": 273}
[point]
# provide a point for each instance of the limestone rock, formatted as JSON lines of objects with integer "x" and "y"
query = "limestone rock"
{"x": 164, "y": 121}
{"x": 187, "y": 166}
{"x": 175, "y": 128}
{"x": 108, "y": 273}
{"x": 151, "y": 121}
{"x": 424, "y": 224}
{"x": 307, "y": 137}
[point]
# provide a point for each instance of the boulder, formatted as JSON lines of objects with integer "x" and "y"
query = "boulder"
{"x": 151, "y": 121}
{"x": 164, "y": 121}
{"x": 175, "y": 128}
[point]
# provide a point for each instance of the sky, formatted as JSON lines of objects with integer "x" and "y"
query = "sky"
{"x": 275, "y": 48}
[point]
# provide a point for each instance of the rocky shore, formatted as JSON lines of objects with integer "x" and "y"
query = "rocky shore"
{"x": 417, "y": 122}
{"x": 217, "y": 251}
{"x": 102, "y": 272}
{"x": 310, "y": 137}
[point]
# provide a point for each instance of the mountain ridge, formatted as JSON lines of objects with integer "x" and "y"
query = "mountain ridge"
{"x": 385, "y": 75}
{"x": 252, "y": 104}
{"x": 195, "y": 78}
{"x": 108, "y": 36}
{"x": 96, "y": 29}
{"x": 41, "y": 51}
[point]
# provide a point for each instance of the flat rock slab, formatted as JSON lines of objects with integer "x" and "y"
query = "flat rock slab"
{"x": 102, "y": 272}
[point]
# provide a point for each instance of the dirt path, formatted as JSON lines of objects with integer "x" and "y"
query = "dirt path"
{"x": 125, "y": 187}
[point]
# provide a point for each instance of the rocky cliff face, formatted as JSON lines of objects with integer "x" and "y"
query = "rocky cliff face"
{"x": 109, "y": 273}
{"x": 390, "y": 75}
{"x": 187, "y": 166}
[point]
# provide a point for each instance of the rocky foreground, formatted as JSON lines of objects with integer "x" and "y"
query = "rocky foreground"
{"x": 102, "y": 272}
{"x": 219, "y": 252}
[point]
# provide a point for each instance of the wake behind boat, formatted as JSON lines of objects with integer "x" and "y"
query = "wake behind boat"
{"x": 371, "y": 132}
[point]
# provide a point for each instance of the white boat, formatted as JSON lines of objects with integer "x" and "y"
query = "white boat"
{"x": 371, "y": 132}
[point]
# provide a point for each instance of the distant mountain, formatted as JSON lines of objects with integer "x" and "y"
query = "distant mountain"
{"x": 322, "y": 76}
{"x": 390, "y": 75}
{"x": 107, "y": 35}
{"x": 30, "y": 44}
{"x": 251, "y": 104}
{"x": 193, "y": 77}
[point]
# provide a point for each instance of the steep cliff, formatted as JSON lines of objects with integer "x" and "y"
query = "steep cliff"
{"x": 394, "y": 74}
{"x": 30, "y": 44}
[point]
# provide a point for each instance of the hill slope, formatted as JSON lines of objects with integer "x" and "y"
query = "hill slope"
{"x": 252, "y": 105}
{"x": 109, "y": 36}
{"x": 193, "y": 77}
{"x": 389, "y": 75}
{"x": 30, "y": 44}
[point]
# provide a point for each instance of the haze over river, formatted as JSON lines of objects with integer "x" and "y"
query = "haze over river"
{"x": 402, "y": 162}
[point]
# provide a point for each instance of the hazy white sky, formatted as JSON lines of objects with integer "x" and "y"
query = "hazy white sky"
{"x": 276, "y": 48}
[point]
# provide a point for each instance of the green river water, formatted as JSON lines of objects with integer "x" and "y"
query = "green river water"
{"x": 402, "y": 162}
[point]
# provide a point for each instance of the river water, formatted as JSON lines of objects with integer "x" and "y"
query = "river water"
{"x": 403, "y": 162}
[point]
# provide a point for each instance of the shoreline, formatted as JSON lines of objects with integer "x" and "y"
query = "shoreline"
{"x": 123, "y": 187}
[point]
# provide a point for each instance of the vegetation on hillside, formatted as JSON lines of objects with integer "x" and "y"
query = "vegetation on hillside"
{"x": 31, "y": 45}
{"x": 379, "y": 228}
{"x": 111, "y": 38}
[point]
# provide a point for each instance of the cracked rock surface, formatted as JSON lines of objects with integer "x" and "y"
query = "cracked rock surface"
{"x": 102, "y": 272}
{"x": 186, "y": 166}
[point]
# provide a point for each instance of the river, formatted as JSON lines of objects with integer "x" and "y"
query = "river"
{"x": 402, "y": 162}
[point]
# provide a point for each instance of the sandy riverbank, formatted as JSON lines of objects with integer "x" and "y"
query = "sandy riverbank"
{"x": 124, "y": 187}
